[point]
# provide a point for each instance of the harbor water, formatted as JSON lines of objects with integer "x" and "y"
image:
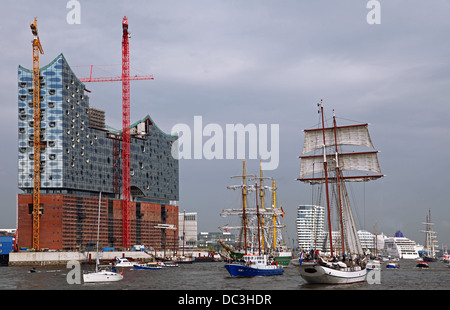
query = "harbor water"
{"x": 213, "y": 276}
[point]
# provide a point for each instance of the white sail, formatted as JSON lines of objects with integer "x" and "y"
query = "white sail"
{"x": 345, "y": 135}
{"x": 358, "y": 161}
{"x": 352, "y": 241}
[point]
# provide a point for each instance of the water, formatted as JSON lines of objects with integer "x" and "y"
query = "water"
{"x": 213, "y": 276}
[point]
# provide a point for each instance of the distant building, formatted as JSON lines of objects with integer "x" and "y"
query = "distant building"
{"x": 81, "y": 157}
{"x": 187, "y": 230}
{"x": 310, "y": 227}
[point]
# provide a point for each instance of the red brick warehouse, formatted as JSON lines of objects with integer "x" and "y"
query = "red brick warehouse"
{"x": 70, "y": 223}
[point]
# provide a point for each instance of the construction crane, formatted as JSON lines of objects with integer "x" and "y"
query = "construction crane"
{"x": 126, "y": 135}
{"x": 37, "y": 49}
{"x": 114, "y": 79}
{"x": 125, "y": 78}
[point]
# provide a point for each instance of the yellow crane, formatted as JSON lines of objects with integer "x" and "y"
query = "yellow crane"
{"x": 37, "y": 48}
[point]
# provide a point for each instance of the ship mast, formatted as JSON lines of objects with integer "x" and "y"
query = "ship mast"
{"x": 261, "y": 194}
{"x": 244, "y": 206}
{"x": 325, "y": 168}
{"x": 274, "y": 217}
{"x": 338, "y": 185}
{"x": 244, "y": 203}
{"x": 258, "y": 219}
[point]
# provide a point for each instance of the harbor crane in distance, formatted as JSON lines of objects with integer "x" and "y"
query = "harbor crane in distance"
{"x": 37, "y": 49}
{"x": 125, "y": 78}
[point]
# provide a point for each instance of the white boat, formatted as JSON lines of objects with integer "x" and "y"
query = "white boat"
{"x": 332, "y": 273}
{"x": 323, "y": 163}
{"x": 400, "y": 247}
{"x": 123, "y": 262}
{"x": 100, "y": 275}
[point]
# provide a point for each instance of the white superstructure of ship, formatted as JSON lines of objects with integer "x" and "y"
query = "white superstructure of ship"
{"x": 400, "y": 247}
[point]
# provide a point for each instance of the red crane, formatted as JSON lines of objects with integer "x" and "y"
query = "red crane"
{"x": 125, "y": 78}
{"x": 126, "y": 135}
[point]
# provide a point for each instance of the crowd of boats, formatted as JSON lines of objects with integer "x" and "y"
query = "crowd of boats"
{"x": 261, "y": 251}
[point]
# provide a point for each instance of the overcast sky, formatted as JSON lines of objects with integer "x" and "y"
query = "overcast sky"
{"x": 261, "y": 62}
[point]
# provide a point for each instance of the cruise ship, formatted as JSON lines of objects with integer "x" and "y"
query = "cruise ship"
{"x": 400, "y": 247}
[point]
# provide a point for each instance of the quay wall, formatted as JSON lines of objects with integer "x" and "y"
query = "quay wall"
{"x": 61, "y": 258}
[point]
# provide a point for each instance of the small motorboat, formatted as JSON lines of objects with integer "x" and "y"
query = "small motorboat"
{"x": 148, "y": 266}
{"x": 392, "y": 265}
{"x": 422, "y": 264}
{"x": 102, "y": 276}
{"x": 123, "y": 262}
{"x": 168, "y": 264}
{"x": 254, "y": 265}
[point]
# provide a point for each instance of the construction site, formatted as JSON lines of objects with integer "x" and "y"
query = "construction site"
{"x": 74, "y": 169}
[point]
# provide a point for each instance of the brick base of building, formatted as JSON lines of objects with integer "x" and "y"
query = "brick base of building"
{"x": 69, "y": 223}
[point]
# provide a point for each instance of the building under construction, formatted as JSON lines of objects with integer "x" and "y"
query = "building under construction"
{"x": 81, "y": 157}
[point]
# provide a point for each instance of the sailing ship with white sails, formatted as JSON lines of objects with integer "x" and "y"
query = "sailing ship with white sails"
{"x": 430, "y": 249}
{"x": 326, "y": 163}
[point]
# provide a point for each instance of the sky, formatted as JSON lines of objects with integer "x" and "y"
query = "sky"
{"x": 261, "y": 62}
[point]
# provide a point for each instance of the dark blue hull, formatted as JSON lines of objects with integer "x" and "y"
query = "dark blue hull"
{"x": 237, "y": 270}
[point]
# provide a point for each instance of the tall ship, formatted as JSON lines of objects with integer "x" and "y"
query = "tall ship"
{"x": 259, "y": 227}
{"x": 331, "y": 157}
{"x": 400, "y": 246}
{"x": 430, "y": 248}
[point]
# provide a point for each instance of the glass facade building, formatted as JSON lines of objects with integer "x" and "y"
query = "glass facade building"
{"x": 81, "y": 157}
{"x": 80, "y": 154}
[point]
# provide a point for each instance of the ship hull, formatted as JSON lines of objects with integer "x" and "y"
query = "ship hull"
{"x": 238, "y": 270}
{"x": 147, "y": 267}
{"x": 102, "y": 276}
{"x": 316, "y": 274}
{"x": 283, "y": 260}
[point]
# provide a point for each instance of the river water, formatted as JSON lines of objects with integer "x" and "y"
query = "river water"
{"x": 213, "y": 276}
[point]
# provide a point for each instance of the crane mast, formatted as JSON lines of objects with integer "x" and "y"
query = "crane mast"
{"x": 125, "y": 79}
{"x": 37, "y": 49}
{"x": 126, "y": 134}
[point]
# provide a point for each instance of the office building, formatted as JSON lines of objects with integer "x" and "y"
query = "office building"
{"x": 310, "y": 227}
